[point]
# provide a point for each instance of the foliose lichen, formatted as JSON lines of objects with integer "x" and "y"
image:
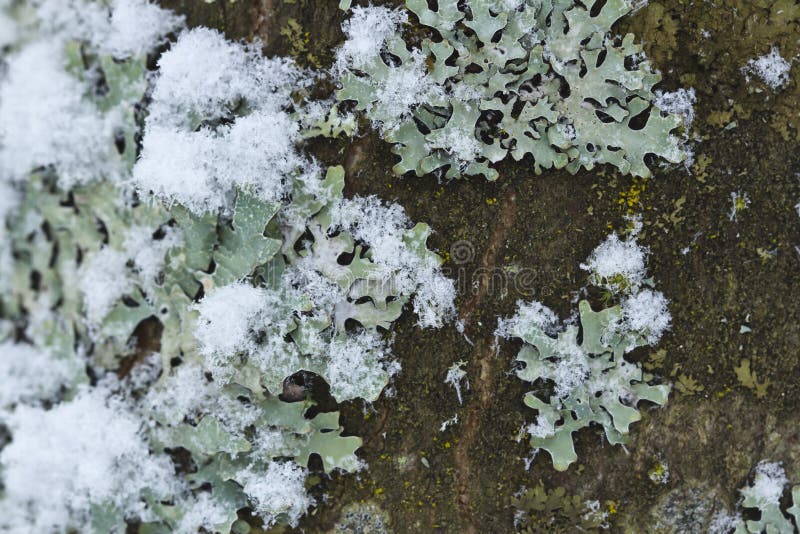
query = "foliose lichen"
{"x": 764, "y": 495}
{"x": 578, "y": 369}
{"x": 539, "y": 78}
{"x": 182, "y": 312}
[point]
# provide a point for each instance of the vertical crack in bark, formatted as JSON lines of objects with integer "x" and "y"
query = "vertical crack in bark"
{"x": 484, "y": 356}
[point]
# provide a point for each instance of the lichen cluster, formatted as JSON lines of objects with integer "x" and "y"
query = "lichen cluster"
{"x": 763, "y": 495}
{"x": 197, "y": 319}
{"x": 538, "y": 78}
{"x": 578, "y": 370}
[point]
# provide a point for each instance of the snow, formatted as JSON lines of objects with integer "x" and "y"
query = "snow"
{"x": 615, "y": 258}
{"x": 136, "y": 27}
{"x": 202, "y": 80}
{"x": 10, "y": 198}
{"x": 403, "y": 86}
{"x": 571, "y": 368}
{"x": 205, "y": 512}
{"x": 448, "y": 423}
{"x": 44, "y": 120}
{"x": 8, "y": 28}
{"x": 103, "y": 280}
{"x": 540, "y": 429}
{"x": 220, "y": 117}
{"x": 202, "y": 169}
{"x": 187, "y": 393}
{"x": 739, "y": 202}
{"x": 174, "y": 166}
{"x": 768, "y": 485}
{"x": 366, "y": 32}
{"x": 724, "y": 523}
{"x": 771, "y": 68}
{"x": 148, "y": 253}
{"x": 61, "y": 461}
{"x": 277, "y": 491}
{"x": 384, "y": 227}
{"x": 529, "y": 315}
{"x": 680, "y": 102}
{"x": 205, "y": 77}
{"x": 228, "y": 319}
{"x": 646, "y": 312}
{"x": 125, "y": 28}
{"x": 30, "y": 375}
{"x": 455, "y": 375}
{"x": 356, "y": 367}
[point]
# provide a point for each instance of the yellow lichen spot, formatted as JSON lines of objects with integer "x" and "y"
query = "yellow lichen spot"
{"x": 766, "y": 254}
{"x": 378, "y": 492}
{"x": 659, "y": 473}
{"x": 631, "y": 200}
{"x": 447, "y": 445}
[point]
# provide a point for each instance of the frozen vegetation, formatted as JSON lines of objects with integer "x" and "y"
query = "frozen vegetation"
{"x": 579, "y": 369}
{"x": 223, "y": 235}
{"x": 544, "y": 81}
{"x": 181, "y": 277}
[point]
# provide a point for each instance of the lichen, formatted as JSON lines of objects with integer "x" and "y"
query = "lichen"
{"x": 538, "y": 78}
{"x": 578, "y": 370}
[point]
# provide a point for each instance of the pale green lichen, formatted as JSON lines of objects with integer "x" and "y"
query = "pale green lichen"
{"x": 115, "y": 282}
{"x": 544, "y": 78}
{"x": 578, "y": 369}
{"x": 763, "y": 494}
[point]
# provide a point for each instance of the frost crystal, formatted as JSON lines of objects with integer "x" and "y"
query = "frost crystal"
{"x": 521, "y": 78}
{"x": 771, "y": 68}
{"x": 617, "y": 265}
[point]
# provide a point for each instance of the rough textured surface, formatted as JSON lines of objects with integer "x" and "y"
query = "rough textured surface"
{"x": 733, "y": 274}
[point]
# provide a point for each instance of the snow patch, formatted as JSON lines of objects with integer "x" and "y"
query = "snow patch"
{"x": 277, "y": 491}
{"x": 85, "y": 451}
{"x": 771, "y": 68}
{"x": 617, "y": 265}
